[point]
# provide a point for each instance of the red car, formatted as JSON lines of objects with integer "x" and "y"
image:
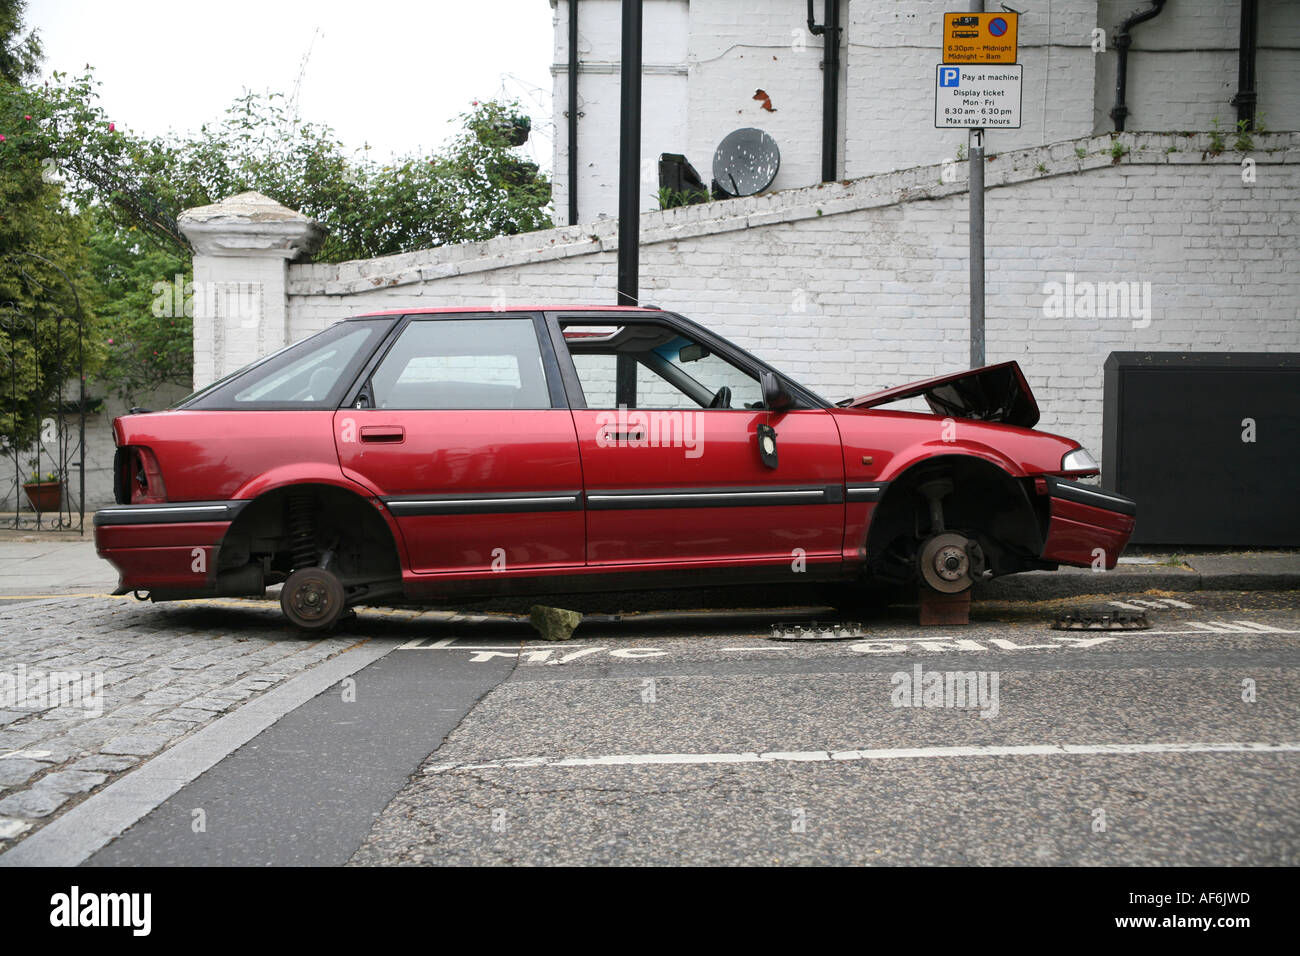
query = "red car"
{"x": 440, "y": 453}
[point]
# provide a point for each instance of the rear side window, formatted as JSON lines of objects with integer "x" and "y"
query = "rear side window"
{"x": 448, "y": 364}
{"x": 310, "y": 377}
{"x": 312, "y": 373}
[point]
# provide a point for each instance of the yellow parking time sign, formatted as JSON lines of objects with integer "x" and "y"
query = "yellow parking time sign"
{"x": 980, "y": 37}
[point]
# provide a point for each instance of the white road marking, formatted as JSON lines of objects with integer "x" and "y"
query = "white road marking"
{"x": 1141, "y": 604}
{"x": 1223, "y": 627}
{"x": 533, "y": 653}
{"x": 419, "y": 644}
{"x": 892, "y": 753}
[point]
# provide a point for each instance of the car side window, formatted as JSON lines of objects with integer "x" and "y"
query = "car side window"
{"x": 652, "y": 366}
{"x": 449, "y": 364}
{"x": 306, "y": 374}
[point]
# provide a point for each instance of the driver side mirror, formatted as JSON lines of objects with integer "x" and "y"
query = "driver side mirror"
{"x": 775, "y": 396}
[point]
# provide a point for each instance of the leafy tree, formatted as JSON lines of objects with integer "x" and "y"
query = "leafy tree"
{"x": 144, "y": 312}
{"x": 20, "y": 55}
{"x": 125, "y": 193}
{"x": 477, "y": 188}
{"x": 43, "y": 254}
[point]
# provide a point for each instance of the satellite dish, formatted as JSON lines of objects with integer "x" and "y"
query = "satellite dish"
{"x": 746, "y": 162}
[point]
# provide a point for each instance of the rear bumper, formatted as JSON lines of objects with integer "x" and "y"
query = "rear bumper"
{"x": 165, "y": 547}
{"x": 1087, "y": 524}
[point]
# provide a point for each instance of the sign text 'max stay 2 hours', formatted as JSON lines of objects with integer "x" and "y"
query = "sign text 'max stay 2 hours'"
{"x": 980, "y": 97}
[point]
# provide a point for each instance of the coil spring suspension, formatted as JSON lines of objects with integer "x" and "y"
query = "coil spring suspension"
{"x": 302, "y": 531}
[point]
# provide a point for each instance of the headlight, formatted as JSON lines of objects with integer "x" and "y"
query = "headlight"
{"x": 1079, "y": 460}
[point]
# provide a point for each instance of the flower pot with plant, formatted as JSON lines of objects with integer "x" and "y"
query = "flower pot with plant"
{"x": 44, "y": 492}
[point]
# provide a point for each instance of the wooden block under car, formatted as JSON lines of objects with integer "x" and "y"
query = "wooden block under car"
{"x": 944, "y": 610}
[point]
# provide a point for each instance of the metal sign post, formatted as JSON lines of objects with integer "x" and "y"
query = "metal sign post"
{"x": 972, "y": 96}
{"x": 975, "y": 150}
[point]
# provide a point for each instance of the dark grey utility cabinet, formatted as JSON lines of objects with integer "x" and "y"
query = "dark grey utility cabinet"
{"x": 1207, "y": 444}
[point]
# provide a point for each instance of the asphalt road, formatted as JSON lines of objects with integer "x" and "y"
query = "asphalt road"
{"x": 702, "y": 740}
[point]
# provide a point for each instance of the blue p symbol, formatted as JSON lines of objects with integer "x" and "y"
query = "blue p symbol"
{"x": 949, "y": 76}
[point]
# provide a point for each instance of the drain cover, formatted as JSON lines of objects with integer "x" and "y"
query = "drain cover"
{"x": 817, "y": 632}
{"x": 1101, "y": 619}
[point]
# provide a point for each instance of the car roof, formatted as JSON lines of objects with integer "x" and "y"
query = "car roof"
{"x": 640, "y": 309}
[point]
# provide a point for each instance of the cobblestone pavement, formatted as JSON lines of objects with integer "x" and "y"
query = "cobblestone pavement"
{"x": 166, "y": 671}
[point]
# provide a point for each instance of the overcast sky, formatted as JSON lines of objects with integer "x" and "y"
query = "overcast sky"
{"x": 392, "y": 74}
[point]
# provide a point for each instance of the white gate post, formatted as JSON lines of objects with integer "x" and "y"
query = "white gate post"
{"x": 242, "y": 249}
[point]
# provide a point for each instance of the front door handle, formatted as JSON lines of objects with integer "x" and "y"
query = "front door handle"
{"x": 383, "y": 433}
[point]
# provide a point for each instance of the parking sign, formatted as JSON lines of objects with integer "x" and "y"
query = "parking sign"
{"x": 977, "y": 97}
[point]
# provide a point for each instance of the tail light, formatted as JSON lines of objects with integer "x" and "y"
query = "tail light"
{"x": 137, "y": 479}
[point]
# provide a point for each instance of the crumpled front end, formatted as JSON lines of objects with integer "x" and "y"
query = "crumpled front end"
{"x": 1087, "y": 526}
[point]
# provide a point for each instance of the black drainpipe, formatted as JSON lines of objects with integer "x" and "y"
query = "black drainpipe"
{"x": 830, "y": 85}
{"x": 629, "y": 155}
{"x": 1122, "y": 42}
{"x": 1246, "y": 97}
{"x": 573, "y": 112}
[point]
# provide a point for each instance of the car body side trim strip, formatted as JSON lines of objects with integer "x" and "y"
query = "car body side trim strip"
{"x": 411, "y": 507}
{"x": 183, "y": 511}
{"x": 610, "y": 500}
{"x": 866, "y": 491}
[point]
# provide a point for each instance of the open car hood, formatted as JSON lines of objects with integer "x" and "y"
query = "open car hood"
{"x": 994, "y": 393}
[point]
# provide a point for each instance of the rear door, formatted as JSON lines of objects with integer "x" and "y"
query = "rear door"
{"x": 669, "y": 444}
{"x": 461, "y": 428}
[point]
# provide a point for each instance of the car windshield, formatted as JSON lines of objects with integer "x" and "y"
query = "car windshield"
{"x": 308, "y": 374}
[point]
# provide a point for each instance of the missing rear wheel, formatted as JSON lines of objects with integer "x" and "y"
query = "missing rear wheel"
{"x": 313, "y": 599}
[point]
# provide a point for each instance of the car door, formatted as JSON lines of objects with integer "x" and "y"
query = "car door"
{"x": 670, "y": 480}
{"x": 462, "y": 430}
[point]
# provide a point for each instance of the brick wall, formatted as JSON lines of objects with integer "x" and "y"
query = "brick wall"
{"x": 1182, "y": 71}
{"x": 892, "y": 54}
{"x": 856, "y": 286}
{"x": 704, "y": 60}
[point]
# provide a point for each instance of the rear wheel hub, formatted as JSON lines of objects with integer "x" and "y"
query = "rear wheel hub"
{"x": 313, "y": 599}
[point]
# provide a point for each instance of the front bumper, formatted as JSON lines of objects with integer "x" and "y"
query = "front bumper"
{"x": 165, "y": 547}
{"x": 1088, "y": 527}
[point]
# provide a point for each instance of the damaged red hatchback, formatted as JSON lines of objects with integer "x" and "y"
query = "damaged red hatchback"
{"x": 433, "y": 454}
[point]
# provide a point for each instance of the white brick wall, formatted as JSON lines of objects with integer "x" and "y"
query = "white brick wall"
{"x": 1182, "y": 70}
{"x": 705, "y": 59}
{"x": 893, "y": 51}
{"x": 737, "y": 49}
{"x": 663, "y": 90}
{"x": 852, "y": 287}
